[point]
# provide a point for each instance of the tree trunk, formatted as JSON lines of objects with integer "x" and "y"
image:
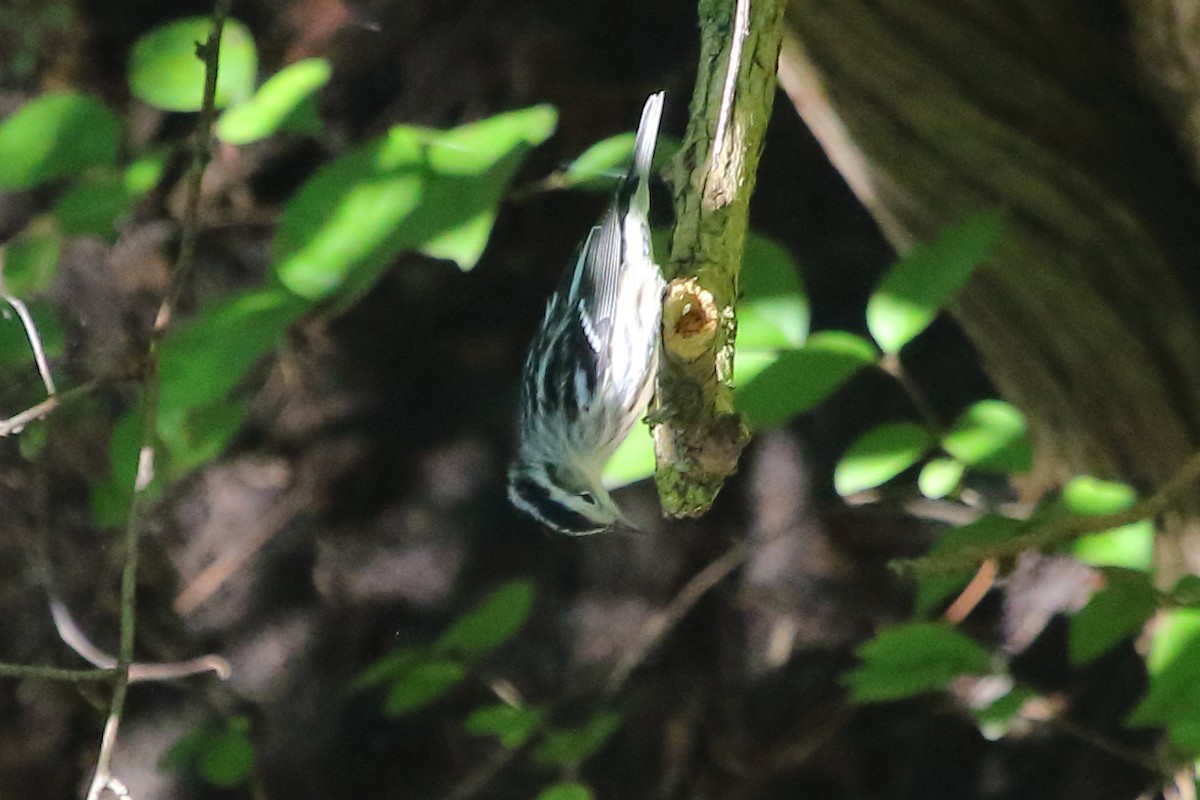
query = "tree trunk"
{"x": 1086, "y": 315}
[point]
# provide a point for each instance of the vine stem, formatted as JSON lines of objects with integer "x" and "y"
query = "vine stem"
{"x": 209, "y": 52}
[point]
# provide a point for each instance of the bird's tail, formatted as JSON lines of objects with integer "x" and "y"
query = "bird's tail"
{"x": 643, "y": 149}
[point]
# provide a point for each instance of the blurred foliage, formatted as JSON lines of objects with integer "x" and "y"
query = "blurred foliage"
{"x": 221, "y": 755}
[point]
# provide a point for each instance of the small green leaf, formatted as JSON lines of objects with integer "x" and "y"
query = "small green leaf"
{"x": 920, "y": 284}
{"x": 58, "y": 135}
{"x": 228, "y": 758}
{"x": 773, "y": 309}
{"x": 166, "y": 71}
{"x": 633, "y": 461}
{"x": 30, "y": 262}
{"x": 800, "y": 379}
{"x": 205, "y": 357}
{"x": 188, "y": 748}
{"x": 990, "y": 436}
{"x": 914, "y": 659}
{"x": 1173, "y": 699}
{"x": 566, "y": 791}
{"x": 1130, "y": 546}
{"x": 570, "y": 748}
{"x": 1173, "y": 631}
{"x": 940, "y": 477}
{"x": 491, "y": 624}
{"x": 512, "y": 725}
{"x": 32, "y": 440}
{"x": 880, "y": 455}
{"x": 1115, "y": 613}
{"x": 286, "y": 102}
{"x": 607, "y": 158}
{"x": 422, "y": 684}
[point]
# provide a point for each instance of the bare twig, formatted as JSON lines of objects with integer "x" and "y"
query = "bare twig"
{"x": 210, "y": 52}
{"x": 662, "y": 623}
{"x": 698, "y": 436}
{"x": 33, "y": 672}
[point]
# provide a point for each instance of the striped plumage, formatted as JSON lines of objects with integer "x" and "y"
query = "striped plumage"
{"x": 589, "y": 375}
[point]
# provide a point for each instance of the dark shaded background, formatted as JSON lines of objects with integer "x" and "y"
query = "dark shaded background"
{"x": 363, "y": 506}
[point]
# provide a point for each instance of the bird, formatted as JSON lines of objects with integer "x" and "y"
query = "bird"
{"x": 589, "y": 373}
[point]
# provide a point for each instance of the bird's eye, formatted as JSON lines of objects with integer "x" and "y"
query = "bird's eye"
{"x": 589, "y": 497}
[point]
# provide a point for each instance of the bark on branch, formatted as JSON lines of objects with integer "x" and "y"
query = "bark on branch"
{"x": 697, "y": 434}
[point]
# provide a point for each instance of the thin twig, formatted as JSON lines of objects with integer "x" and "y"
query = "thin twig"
{"x": 662, "y": 623}
{"x": 210, "y": 52}
{"x": 890, "y": 364}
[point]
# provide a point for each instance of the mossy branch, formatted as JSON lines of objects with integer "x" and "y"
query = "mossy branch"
{"x": 697, "y": 434}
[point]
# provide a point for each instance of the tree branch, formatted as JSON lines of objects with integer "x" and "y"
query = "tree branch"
{"x": 697, "y": 434}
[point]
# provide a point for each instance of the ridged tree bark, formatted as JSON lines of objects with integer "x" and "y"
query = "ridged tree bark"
{"x": 1081, "y": 119}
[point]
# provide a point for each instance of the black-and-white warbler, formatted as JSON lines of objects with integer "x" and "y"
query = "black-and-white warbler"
{"x": 589, "y": 375}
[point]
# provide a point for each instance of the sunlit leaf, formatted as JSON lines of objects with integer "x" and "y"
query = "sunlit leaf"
{"x": 773, "y": 310}
{"x": 919, "y": 285}
{"x": 1173, "y": 699}
{"x": 422, "y": 684}
{"x": 1173, "y": 630}
{"x": 800, "y": 379}
{"x": 57, "y": 135}
{"x": 914, "y": 659}
{"x": 607, "y": 158}
{"x": 570, "y": 747}
{"x": 633, "y": 461}
{"x": 97, "y": 203}
{"x": 207, "y": 355}
{"x": 165, "y": 70}
{"x": 880, "y": 455}
{"x": 1115, "y": 613}
{"x": 490, "y": 624}
{"x": 511, "y": 725}
{"x": 566, "y": 791}
{"x": 286, "y": 102}
{"x": 1130, "y": 546}
{"x": 410, "y": 189}
{"x": 990, "y": 436}
{"x": 940, "y": 477}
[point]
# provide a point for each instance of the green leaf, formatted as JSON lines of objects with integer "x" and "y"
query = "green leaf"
{"x": 389, "y": 667}
{"x": 1173, "y": 699}
{"x": 57, "y": 135}
{"x": 922, "y": 282}
{"x": 940, "y": 477}
{"x": 914, "y": 659}
{"x": 607, "y": 158}
{"x": 880, "y": 455}
{"x": 15, "y": 350}
{"x": 1115, "y": 613}
{"x": 166, "y": 71}
{"x": 411, "y": 189}
{"x": 1173, "y": 630}
{"x": 193, "y": 437}
{"x": 989, "y": 529}
{"x": 205, "y": 357}
{"x": 96, "y": 204}
{"x": 1130, "y": 546}
{"x": 990, "y": 436}
{"x": 568, "y": 748}
{"x": 188, "y": 749}
{"x": 566, "y": 791}
{"x": 287, "y": 102}
{"x": 422, "y": 684}
{"x": 228, "y": 758}
{"x": 633, "y": 461}
{"x": 800, "y": 379}
{"x": 491, "y": 624}
{"x": 512, "y": 725}
{"x": 32, "y": 439}
{"x": 773, "y": 309}
{"x": 30, "y": 262}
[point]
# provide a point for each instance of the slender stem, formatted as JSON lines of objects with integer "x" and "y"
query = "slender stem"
{"x": 210, "y": 52}
{"x": 891, "y": 365}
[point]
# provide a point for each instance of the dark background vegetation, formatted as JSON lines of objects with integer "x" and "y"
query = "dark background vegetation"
{"x": 363, "y": 503}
